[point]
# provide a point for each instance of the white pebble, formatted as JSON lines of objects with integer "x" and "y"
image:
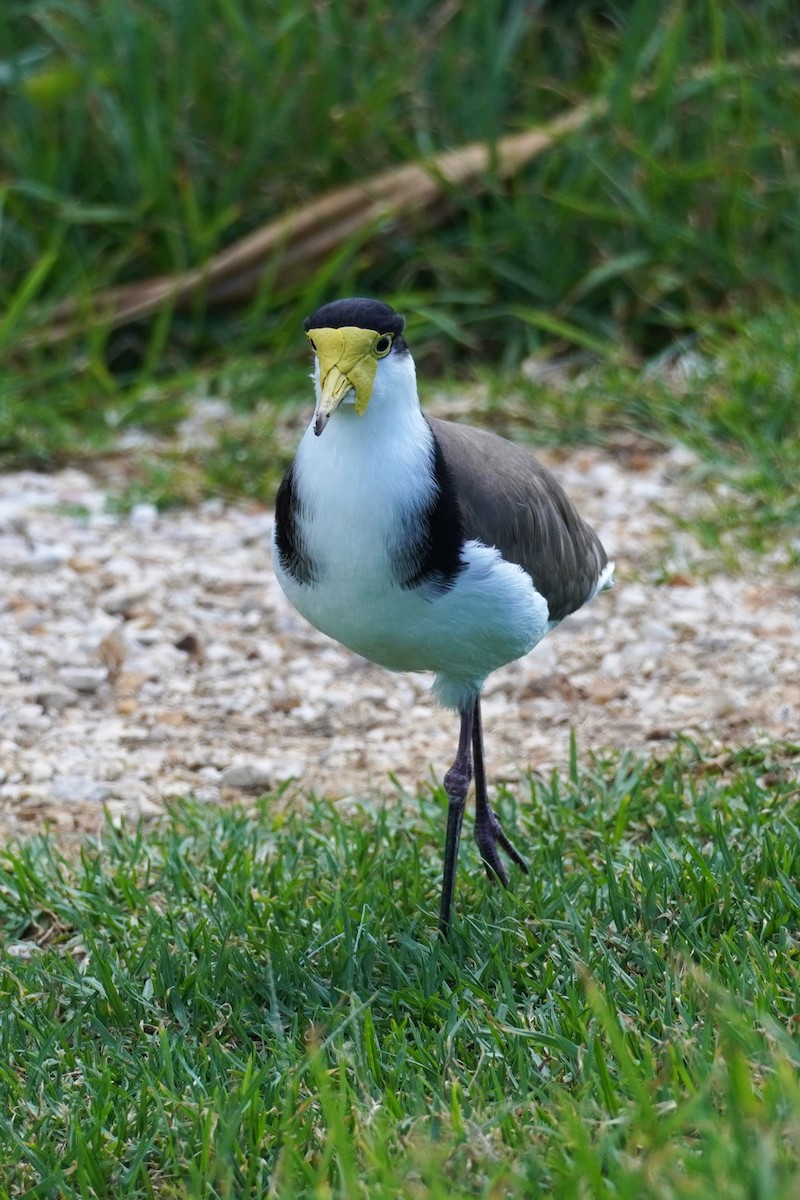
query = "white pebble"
{"x": 82, "y": 679}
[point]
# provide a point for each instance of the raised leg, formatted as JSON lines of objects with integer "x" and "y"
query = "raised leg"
{"x": 488, "y": 830}
{"x": 456, "y": 784}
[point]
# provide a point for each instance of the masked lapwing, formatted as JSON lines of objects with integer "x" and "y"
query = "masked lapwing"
{"x": 424, "y": 545}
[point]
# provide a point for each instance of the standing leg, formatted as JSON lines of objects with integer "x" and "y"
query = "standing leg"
{"x": 488, "y": 830}
{"x": 456, "y": 784}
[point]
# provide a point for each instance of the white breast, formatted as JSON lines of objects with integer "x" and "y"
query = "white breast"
{"x": 359, "y": 485}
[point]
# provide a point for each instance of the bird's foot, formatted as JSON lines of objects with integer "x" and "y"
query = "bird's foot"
{"x": 489, "y": 834}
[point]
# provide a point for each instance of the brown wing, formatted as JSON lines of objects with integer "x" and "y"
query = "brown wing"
{"x": 510, "y": 501}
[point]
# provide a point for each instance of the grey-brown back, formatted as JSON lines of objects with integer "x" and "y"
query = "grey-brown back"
{"x": 510, "y": 501}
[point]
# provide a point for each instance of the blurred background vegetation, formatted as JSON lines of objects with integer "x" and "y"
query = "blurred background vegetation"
{"x": 141, "y": 137}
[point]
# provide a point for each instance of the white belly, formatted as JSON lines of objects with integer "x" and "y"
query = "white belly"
{"x": 353, "y": 501}
{"x": 491, "y": 616}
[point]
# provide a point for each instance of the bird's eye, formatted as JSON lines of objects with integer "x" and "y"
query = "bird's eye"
{"x": 311, "y": 344}
{"x": 384, "y": 344}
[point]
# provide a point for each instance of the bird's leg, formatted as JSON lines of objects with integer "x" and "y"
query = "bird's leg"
{"x": 488, "y": 830}
{"x": 456, "y": 784}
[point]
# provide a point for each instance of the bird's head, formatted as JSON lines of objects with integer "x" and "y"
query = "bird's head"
{"x": 349, "y": 338}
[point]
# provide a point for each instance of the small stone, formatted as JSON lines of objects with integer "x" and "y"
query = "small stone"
{"x": 123, "y": 599}
{"x": 40, "y": 772}
{"x": 46, "y": 558}
{"x": 28, "y": 715}
{"x": 307, "y": 713}
{"x": 144, "y": 515}
{"x": 104, "y": 520}
{"x": 252, "y": 602}
{"x": 13, "y": 550}
{"x": 83, "y": 679}
{"x": 146, "y": 634}
{"x": 656, "y": 631}
{"x": 190, "y": 644}
{"x": 79, "y": 789}
{"x": 113, "y": 651}
{"x": 253, "y": 776}
{"x": 82, "y": 564}
{"x": 214, "y": 507}
{"x": 129, "y": 682}
{"x": 219, "y": 652}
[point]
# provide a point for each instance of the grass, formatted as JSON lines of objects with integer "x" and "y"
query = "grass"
{"x": 256, "y": 1004}
{"x": 123, "y": 158}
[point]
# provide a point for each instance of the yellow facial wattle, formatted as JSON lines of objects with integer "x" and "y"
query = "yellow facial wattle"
{"x": 347, "y": 359}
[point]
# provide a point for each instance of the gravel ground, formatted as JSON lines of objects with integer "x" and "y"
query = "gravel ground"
{"x": 147, "y": 656}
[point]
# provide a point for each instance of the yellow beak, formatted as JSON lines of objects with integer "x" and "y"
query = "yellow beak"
{"x": 346, "y": 363}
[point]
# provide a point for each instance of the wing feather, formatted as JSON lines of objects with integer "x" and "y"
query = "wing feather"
{"x": 509, "y": 500}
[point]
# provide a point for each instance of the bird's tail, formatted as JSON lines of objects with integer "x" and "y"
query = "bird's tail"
{"x": 605, "y": 579}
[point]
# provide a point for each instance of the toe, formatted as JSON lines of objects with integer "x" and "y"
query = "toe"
{"x": 512, "y": 851}
{"x": 489, "y": 835}
{"x": 493, "y": 864}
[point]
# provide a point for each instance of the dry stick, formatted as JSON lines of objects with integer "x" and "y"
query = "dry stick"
{"x": 306, "y": 236}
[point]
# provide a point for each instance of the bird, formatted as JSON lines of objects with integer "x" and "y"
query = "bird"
{"x": 424, "y": 545}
